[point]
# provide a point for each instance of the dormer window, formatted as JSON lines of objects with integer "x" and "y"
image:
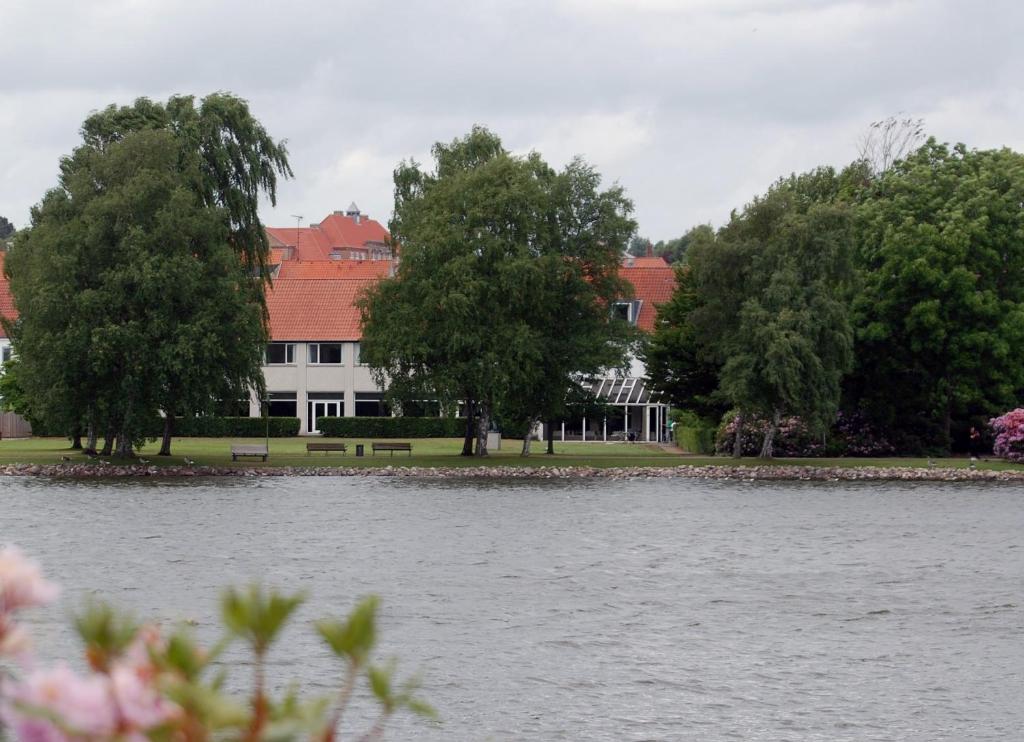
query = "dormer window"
{"x": 337, "y": 254}
{"x": 628, "y": 311}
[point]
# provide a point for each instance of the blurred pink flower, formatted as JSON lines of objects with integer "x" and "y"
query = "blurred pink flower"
{"x": 83, "y": 705}
{"x": 21, "y": 582}
{"x": 140, "y": 704}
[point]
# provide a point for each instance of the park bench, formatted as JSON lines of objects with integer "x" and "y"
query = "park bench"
{"x": 392, "y": 447}
{"x": 248, "y": 450}
{"x": 325, "y": 447}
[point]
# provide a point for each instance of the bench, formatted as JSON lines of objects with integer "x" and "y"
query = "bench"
{"x": 325, "y": 447}
{"x": 248, "y": 450}
{"x": 392, "y": 447}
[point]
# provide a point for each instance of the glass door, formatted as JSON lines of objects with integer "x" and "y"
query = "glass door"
{"x": 322, "y": 408}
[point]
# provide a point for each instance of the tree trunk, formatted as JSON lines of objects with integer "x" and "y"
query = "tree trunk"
{"x": 467, "y": 441}
{"x": 108, "y": 442}
{"x": 767, "y": 448}
{"x": 528, "y": 438}
{"x": 483, "y": 425}
{"x": 76, "y": 440}
{"x": 737, "y": 443}
{"x": 90, "y": 442}
{"x": 165, "y": 445}
{"x": 551, "y": 437}
{"x": 124, "y": 447}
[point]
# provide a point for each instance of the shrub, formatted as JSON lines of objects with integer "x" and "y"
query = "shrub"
{"x": 392, "y": 427}
{"x": 212, "y": 426}
{"x": 695, "y": 440}
{"x": 793, "y": 438}
{"x": 853, "y": 435}
{"x": 1009, "y": 432}
{"x": 140, "y": 683}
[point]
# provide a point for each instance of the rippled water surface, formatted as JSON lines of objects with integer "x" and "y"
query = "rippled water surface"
{"x": 646, "y": 609}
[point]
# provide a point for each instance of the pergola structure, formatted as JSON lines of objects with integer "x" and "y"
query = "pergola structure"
{"x": 636, "y": 410}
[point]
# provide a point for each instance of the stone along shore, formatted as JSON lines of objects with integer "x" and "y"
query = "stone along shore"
{"x": 768, "y": 472}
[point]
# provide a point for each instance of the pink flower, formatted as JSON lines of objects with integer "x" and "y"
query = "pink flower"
{"x": 140, "y": 704}
{"x": 15, "y": 642}
{"x": 21, "y": 582}
{"x": 83, "y": 705}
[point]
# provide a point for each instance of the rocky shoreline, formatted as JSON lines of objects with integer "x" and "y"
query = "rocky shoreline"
{"x": 767, "y": 472}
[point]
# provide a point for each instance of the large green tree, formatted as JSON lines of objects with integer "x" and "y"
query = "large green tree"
{"x": 135, "y": 281}
{"x": 502, "y": 298}
{"x": 762, "y": 306}
{"x": 940, "y": 315}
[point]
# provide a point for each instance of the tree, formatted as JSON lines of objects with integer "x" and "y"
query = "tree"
{"x": 765, "y": 302}
{"x": 502, "y": 297}
{"x": 132, "y": 298}
{"x": 6, "y": 228}
{"x": 940, "y": 315}
{"x": 888, "y": 141}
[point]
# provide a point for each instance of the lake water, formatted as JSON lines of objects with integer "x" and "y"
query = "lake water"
{"x": 590, "y": 610}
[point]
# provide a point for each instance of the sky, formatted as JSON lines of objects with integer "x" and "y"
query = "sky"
{"x": 693, "y": 106}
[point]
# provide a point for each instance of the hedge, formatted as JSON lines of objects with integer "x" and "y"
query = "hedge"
{"x": 695, "y": 440}
{"x": 391, "y": 427}
{"x": 211, "y": 426}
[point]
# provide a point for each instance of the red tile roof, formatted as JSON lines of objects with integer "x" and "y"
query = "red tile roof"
{"x": 316, "y": 308}
{"x": 653, "y": 283}
{"x": 335, "y": 231}
{"x": 7, "y": 310}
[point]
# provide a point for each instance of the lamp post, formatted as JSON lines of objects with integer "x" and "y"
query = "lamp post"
{"x": 265, "y": 411}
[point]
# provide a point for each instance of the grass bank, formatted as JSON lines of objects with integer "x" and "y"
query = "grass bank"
{"x": 444, "y": 452}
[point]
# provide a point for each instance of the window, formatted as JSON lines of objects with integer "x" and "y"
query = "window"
{"x": 357, "y": 358}
{"x": 280, "y": 354}
{"x": 5, "y": 353}
{"x": 371, "y": 404}
{"x": 282, "y": 404}
{"x": 628, "y": 311}
{"x": 325, "y": 353}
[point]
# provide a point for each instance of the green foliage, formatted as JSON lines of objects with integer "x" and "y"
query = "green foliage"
{"x": 257, "y": 615}
{"x": 6, "y": 228}
{"x": 695, "y": 440}
{"x": 507, "y": 270}
{"x": 129, "y": 283}
{"x": 105, "y": 633}
{"x": 354, "y": 638}
{"x": 211, "y": 426}
{"x": 940, "y": 312}
{"x": 673, "y": 251}
{"x": 391, "y": 427}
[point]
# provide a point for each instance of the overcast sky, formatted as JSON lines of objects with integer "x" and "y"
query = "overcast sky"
{"x": 692, "y": 105}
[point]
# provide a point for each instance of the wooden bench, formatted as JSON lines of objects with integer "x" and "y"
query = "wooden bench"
{"x": 249, "y": 449}
{"x": 392, "y": 447}
{"x": 325, "y": 447}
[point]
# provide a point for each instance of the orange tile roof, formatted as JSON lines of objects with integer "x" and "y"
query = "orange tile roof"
{"x": 654, "y": 285}
{"x": 334, "y": 269}
{"x": 316, "y": 308}
{"x": 645, "y": 262}
{"x": 7, "y": 310}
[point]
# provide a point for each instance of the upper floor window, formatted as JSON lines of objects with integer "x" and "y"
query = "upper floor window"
{"x": 357, "y": 359}
{"x": 279, "y": 354}
{"x": 325, "y": 353}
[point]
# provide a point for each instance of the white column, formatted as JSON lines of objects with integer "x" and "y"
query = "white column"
{"x": 563, "y": 431}
{"x": 584, "y": 429}
{"x": 647, "y": 424}
{"x": 604, "y": 425}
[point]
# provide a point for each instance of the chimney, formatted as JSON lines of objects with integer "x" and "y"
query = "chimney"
{"x": 353, "y": 212}
{"x": 650, "y": 249}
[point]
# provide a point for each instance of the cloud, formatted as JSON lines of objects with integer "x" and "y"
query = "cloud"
{"x": 693, "y": 106}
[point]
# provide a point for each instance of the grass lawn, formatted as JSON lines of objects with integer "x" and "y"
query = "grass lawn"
{"x": 442, "y": 452}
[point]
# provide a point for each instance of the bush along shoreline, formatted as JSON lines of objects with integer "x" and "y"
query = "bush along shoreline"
{"x": 762, "y": 472}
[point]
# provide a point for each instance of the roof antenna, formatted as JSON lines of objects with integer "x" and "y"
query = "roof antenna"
{"x": 298, "y": 225}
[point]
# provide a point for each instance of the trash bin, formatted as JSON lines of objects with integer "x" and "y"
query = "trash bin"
{"x": 359, "y": 449}
{"x": 493, "y": 441}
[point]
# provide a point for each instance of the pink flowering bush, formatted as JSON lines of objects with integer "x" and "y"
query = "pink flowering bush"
{"x": 144, "y": 685}
{"x": 1009, "y": 432}
{"x": 793, "y": 438}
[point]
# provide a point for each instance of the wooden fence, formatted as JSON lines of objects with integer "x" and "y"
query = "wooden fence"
{"x": 14, "y": 426}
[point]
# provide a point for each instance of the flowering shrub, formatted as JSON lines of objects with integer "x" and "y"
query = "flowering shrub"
{"x": 143, "y": 685}
{"x": 1009, "y": 431}
{"x": 793, "y": 438}
{"x": 853, "y": 435}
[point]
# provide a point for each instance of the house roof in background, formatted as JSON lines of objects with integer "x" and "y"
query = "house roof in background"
{"x": 335, "y": 231}
{"x": 653, "y": 282}
{"x": 7, "y": 310}
{"x": 316, "y": 308}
